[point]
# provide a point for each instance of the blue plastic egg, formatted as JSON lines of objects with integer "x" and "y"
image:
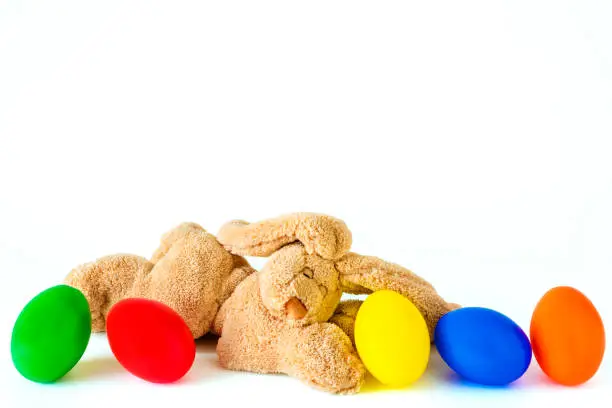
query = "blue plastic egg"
{"x": 483, "y": 346}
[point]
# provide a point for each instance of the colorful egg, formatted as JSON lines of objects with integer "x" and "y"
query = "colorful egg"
{"x": 392, "y": 339}
{"x": 51, "y": 334}
{"x": 568, "y": 336}
{"x": 483, "y": 346}
{"x": 150, "y": 340}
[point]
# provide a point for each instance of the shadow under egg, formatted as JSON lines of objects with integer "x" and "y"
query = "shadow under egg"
{"x": 94, "y": 368}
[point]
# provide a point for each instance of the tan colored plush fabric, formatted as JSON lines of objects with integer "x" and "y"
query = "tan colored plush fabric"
{"x": 326, "y": 236}
{"x": 288, "y": 318}
{"x": 365, "y": 274}
{"x": 190, "y": 272}
{"x": 344, "y": 317}
{"x": 252, "y": 339}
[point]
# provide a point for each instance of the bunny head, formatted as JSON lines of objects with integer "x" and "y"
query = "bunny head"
{"x": 310, "y": 267}
{"x": 299, "y": 281}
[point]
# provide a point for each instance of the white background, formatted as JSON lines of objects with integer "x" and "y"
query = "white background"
{"x": 467, "y": 140}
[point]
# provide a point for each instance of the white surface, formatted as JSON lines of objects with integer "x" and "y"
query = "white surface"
{"x": 469, "y": 141}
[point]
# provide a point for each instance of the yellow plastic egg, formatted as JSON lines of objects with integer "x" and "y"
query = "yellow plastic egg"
{"x": 392, "y": 339}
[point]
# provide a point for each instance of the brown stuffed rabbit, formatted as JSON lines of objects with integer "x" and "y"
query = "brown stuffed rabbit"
{"x": 288, "y": 318}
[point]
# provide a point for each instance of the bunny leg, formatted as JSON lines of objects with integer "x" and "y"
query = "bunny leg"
{"x": 106, "y": 281}
{"x": 344, "y": 317}
{"x": 322, "y": 355}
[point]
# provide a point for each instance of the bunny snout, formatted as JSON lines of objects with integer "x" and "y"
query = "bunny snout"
{"x": 295, "y": 309}
{"x": 310, "y": 298}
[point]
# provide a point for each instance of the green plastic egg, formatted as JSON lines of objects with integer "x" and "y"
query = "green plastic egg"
{"x": 51, "y": 334}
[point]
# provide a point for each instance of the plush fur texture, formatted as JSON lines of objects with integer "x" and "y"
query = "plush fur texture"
{"x": 287, "y": 318}
{"x": 190, "y": 272}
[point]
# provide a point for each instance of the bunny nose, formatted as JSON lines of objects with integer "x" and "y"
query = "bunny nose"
{"x": 295, "y": 309}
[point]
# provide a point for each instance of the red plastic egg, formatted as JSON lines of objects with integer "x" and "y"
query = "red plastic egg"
{"x": 150, "y": 340}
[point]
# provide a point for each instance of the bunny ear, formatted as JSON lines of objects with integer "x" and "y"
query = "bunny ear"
{"x": 365, "y": 274}
{"x": 320, "y": 234}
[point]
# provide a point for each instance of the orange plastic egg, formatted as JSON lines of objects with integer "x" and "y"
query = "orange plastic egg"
{"x": 567, "y": 336}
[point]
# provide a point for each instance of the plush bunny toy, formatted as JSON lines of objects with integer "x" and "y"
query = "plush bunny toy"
{"x": 288, "y": 318}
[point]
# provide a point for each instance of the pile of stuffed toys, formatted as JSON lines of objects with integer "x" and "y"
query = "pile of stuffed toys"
{"x": 289, "y": 317}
